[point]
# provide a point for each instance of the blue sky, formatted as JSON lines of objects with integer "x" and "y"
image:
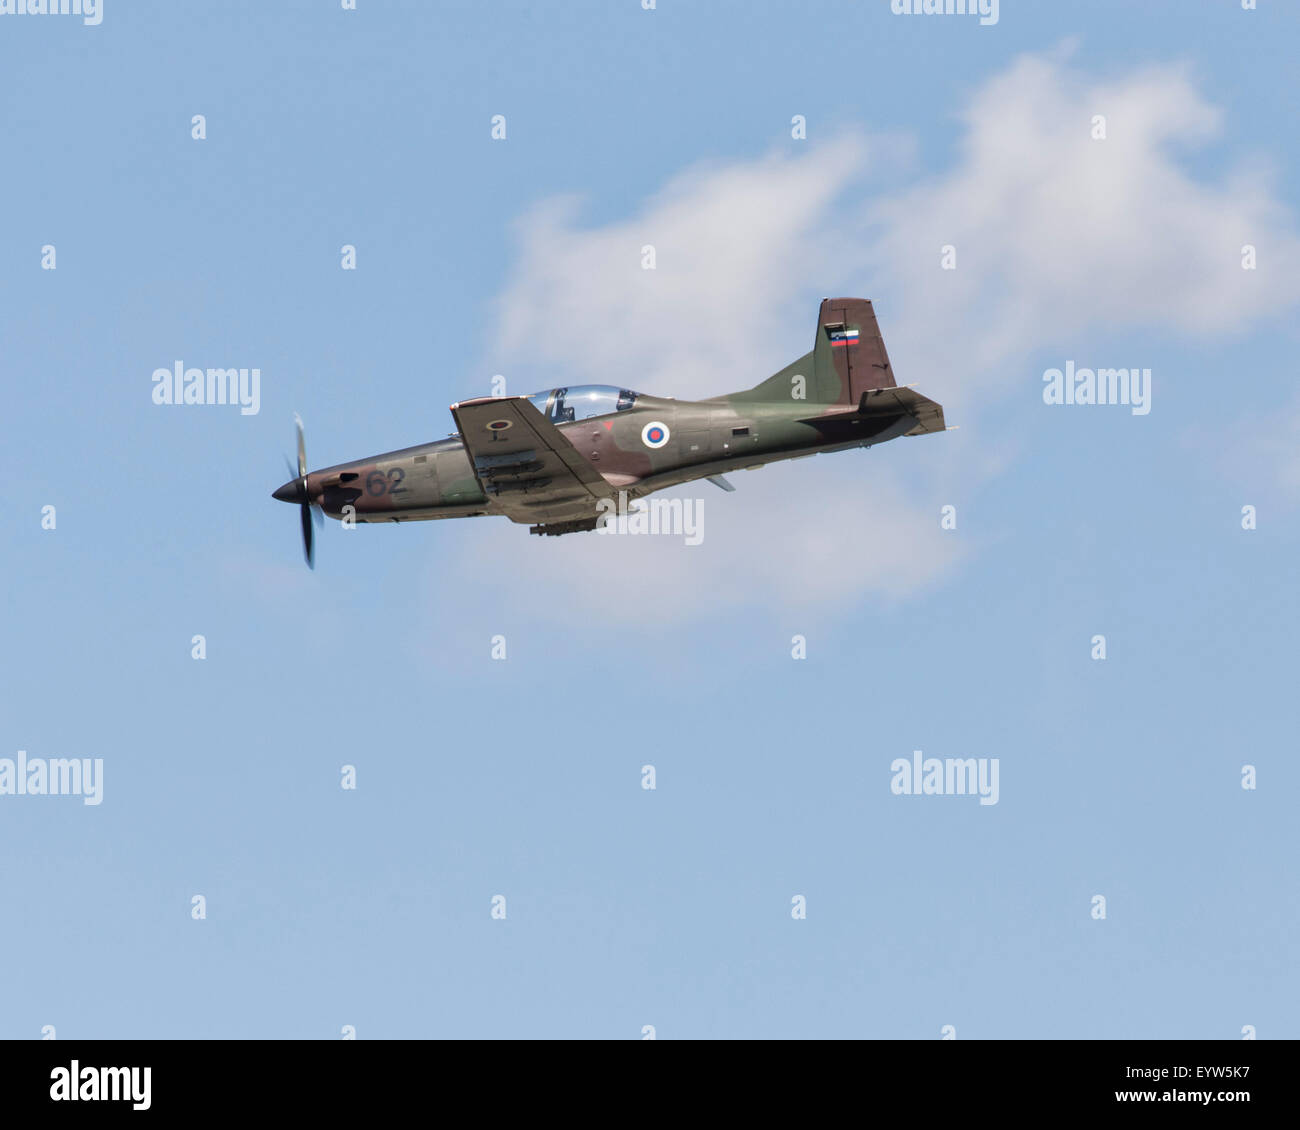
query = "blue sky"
{"x": 521, "y": 257}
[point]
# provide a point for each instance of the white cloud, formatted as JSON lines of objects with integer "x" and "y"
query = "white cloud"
{"x": 733, "y": 246}
{"x": 1057, "y": 236}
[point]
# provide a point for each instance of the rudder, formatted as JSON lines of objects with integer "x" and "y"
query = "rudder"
{"x": 849, "y": 356}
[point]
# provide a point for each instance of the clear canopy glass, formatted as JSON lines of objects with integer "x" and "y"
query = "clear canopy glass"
{"x": 581, "y": 402}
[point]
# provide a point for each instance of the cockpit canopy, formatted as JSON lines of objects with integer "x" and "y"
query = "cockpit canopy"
{"x": 580, "y": 402}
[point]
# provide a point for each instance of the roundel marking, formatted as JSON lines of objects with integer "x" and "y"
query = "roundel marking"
{"x": 654, "y": 434}
{"x": 499, "y": 425}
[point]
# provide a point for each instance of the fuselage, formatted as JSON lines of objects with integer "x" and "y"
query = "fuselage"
{"x": 647, "y": 444}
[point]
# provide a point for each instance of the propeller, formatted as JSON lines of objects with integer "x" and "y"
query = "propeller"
{"x": 295, "y": 490}
{"x": 308, "y": 534}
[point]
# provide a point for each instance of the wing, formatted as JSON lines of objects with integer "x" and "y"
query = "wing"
{"x": 526, "y": 466}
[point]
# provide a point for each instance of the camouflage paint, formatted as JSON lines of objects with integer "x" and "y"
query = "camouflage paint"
{"x": 849, "y": 399}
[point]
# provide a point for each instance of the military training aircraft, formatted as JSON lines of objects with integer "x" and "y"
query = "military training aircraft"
{"x": 556, "y": 460}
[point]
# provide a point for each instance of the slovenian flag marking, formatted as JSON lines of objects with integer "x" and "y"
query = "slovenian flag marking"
{"x": 844, "y": 337}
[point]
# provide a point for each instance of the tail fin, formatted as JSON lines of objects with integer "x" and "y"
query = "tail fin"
{"x": 848, "y": 358}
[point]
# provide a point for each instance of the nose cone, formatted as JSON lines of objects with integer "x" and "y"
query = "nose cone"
{"x": 292, "y": 491}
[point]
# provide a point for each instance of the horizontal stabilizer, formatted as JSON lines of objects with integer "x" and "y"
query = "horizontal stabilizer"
{"x": 905, "y": 401}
